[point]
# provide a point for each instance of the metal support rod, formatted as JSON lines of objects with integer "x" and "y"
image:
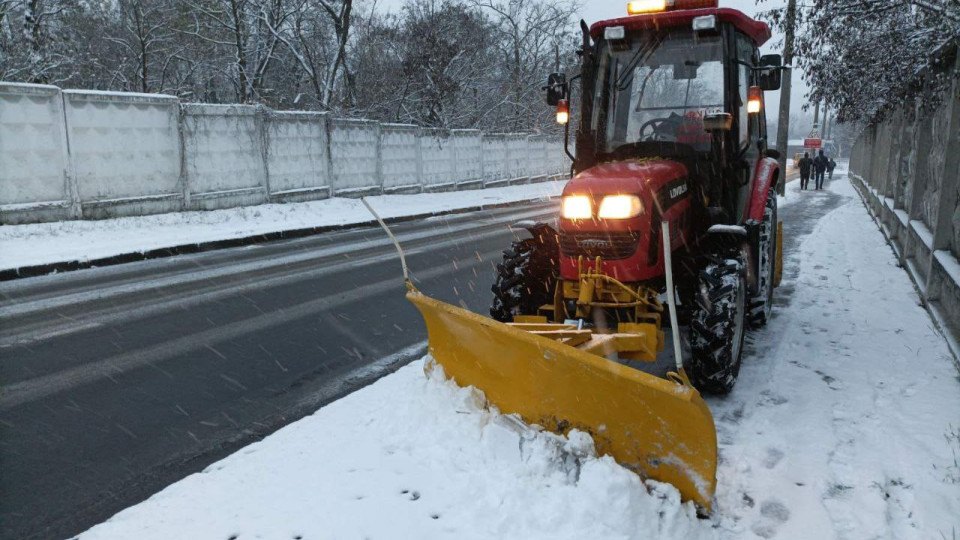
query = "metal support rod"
{"x": 396, "y": 244}
{"x": 671, "y": 300}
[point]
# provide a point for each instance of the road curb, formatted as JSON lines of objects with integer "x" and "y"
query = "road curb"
{"x": 11, "y": 274}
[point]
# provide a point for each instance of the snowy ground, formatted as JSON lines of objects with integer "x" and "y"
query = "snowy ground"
{"x": 44, "y": 243}
{"x": 844, "y": 424}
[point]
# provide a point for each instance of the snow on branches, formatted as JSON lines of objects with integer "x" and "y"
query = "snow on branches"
{"x": 865, "y": 56}
{"x": 437, "y": 63}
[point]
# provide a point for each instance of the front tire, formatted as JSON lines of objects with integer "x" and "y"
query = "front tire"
{"x": 525, "y": 279}
{"x": 718, "y": 324}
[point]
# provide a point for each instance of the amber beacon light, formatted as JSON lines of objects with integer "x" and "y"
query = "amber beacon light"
{"x": 641, "y": 7}
{"x": 563, "y": 112}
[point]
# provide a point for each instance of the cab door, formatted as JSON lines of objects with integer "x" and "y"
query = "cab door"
{"x": 750, "y": 127}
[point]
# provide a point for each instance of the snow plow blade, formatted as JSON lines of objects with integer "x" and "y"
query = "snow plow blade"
{"x": 659, "y": 428}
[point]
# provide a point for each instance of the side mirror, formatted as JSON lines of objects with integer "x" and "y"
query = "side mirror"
{"x": 556, "y": 88}
{"x": 769, "y": 72}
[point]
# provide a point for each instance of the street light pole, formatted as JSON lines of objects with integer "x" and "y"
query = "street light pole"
{"x": 783, "y": 124}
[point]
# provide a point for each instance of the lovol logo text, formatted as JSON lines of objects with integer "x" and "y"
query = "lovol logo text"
{"x": 678, "y": 191}
{"x": 594, "y": 243}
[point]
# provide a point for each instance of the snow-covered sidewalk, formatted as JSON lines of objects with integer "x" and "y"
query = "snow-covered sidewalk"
{"x": 48, "y": 243}
{"x": 844, "y": 424}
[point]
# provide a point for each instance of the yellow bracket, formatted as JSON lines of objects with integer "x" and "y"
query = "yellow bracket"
{"x": 778, "y": 271}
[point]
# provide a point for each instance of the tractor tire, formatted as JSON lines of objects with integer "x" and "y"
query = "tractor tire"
{"x": 762, "y": 304}
{"x": 525, "y": 279}
{"x": 718, "y": 325}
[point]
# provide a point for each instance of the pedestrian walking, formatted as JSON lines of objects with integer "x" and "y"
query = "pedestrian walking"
{"x": 819, "y": 169}
{"x": 805, "y": 164}
{"x": 831, "y": 165}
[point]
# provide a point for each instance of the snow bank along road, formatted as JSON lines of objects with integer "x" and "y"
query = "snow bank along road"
{"x": 120, "y": 380}
{"x": 81, "y": 243}
{"x": 841, "y": 427}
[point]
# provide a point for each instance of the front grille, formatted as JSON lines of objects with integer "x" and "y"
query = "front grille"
{"x": 611, "y": 245}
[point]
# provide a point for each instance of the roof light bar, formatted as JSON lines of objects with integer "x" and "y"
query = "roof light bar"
{"x": 641, "y": 7}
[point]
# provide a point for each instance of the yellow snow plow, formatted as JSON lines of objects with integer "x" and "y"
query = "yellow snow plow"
{"x": 659, "y": 428}
{"x": 563, "y": 376}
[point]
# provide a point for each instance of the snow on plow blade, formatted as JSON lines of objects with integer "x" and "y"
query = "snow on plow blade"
{"x": 658, "y": 428}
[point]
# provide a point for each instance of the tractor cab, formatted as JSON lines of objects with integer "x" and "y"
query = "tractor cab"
{"x": 678, "y": 80}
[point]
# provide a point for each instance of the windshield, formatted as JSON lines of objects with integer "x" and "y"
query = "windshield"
{"x": 658, "y": 87}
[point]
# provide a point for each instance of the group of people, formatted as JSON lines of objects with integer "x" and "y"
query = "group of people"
{"x": 820, "y": 165}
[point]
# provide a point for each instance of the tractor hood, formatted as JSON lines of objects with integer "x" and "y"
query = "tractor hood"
{"x": 638, "y": 177}
{"x": 630, "y": 247}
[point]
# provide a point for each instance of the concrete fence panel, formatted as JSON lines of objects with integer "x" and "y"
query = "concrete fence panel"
{"x": 34, "y": 185}
{"x": 297, "y": 161}
{"x": 468, "y": 153}
{"x": 517, "y": 157}
{"x": 355, "y": 155}
{"x": 439, "y": 171}
{"x": 940, "y": 133}
{"x": 560, "y": 160}
{"x": 400, "y": 156}
{"x": 538, "y": 163}
{"x": 494, "y": 148}
{"x": 224, "y": 150}
{"x": 124, "y": 152}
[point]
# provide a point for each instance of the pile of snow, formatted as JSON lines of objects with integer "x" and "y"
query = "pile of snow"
{"x": 45, "y": 243}
{"x": 411, "y": 456}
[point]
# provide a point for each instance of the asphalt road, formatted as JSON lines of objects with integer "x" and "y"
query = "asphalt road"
{"x": 118, "y": 381}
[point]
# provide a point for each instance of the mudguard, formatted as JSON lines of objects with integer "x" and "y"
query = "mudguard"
{"x": 659, "y": 428}
{"x": 765, "y": 176}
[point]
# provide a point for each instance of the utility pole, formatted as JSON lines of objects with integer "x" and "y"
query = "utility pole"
{"x": 783, "y": 123}
{"x": 816, "y": 120}
{"x": 827, "y": 122}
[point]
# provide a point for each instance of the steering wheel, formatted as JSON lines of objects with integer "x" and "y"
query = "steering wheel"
{"x": 654, "y": 125}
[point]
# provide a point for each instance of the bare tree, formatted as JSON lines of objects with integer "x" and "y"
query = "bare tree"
{"x": 439, "y": 63}
{"x": 530, "y": 31}
{"x": 300, "y": 29}
{"x": 145, "y": 32}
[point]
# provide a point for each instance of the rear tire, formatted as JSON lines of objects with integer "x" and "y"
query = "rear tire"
{"x": 762, "y": 304}
{"x": 525, "y": 279}
{"x": 718, "y": 325}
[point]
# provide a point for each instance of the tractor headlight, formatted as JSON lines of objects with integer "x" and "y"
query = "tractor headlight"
{"x": 577, "y": 207}
{"x": 620, "y": 207}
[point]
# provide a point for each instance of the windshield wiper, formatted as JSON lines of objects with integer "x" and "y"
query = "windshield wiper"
{"x": 644, "y": 52}
{"x": 643, "y": 87}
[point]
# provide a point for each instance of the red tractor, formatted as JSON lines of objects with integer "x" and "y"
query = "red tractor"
{"x": 671, "y": 129}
